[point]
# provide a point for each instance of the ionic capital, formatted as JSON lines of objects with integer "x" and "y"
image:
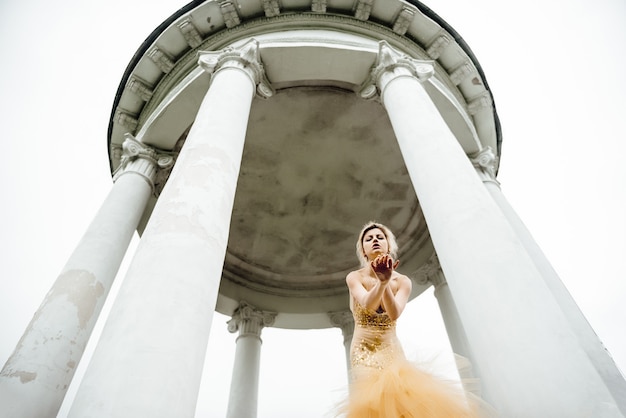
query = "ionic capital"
{"x": 437, "y": 278}
{"x": 141, "y": 159}
{"x": 246, "y": 58}
{"x": 391, "y": 65}
{"x": 249, "y": 321}
{"x": 486, "y": 163}
{"x": 428, "y": 271}
{"x": 345, "y": 321}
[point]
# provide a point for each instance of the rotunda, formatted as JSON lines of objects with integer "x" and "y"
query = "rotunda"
{"x": 249, "y": 141}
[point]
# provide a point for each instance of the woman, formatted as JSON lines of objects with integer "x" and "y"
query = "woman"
{"x": 384, "y": 384}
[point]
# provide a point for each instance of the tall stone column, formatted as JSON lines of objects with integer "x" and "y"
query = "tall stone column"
{"x": 149, "y": 359}
{"x": 35, "y": 378}
{"x": 517, "y": 333}
{"x": 244, "y": 386}
{"x": 485, "y": 163}
{"x": 454, "y": 327}
{"x": 431, "y": 273}
{"x": 345, "y": 321}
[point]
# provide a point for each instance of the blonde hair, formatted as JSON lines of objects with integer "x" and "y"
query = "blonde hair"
{"x": 391, "y": 240}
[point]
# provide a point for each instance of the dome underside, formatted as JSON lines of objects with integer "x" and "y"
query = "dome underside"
{"x": 319, "y": 160}
{"x": 318, "y": 163}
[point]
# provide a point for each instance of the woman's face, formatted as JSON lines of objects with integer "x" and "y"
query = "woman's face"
{"x": 375, "y": 243}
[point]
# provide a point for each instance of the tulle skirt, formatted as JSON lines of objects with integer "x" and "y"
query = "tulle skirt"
{"x": 403, "y": 390}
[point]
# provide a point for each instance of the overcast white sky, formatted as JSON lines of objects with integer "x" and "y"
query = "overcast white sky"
{"x": 556, "y": 69}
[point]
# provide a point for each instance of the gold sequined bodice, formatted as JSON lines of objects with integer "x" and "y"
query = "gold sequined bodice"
{"x": 374, "y": 343}
{"x": 368, "y": 318}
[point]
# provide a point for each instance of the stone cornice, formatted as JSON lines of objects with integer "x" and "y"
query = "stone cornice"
{"x": 247, "y": 29}
{"x": 190, "y": 33}
{"x": 363, "y": 9}
{"x": 413, "y": 30}
{"x": 404, "y": 19}
{"x": 140, "y": 87}
{"x": 271, "y": 8}
{"x": 161, "y": 59}
{"x": 229, "y": 13}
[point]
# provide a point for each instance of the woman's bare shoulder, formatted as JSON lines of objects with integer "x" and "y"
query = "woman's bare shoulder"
{"x": 355, "y": 275}
{"x": 402, "y": 279}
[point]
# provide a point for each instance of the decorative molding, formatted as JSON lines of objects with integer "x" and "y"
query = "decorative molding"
{"x": 423, "y": 274}
{"x": 479, "y": 103}
{"x": 437, "y": 47}
{"x": 116, "y": 151}
{"x": 139, "y": 87}
{"x": 388, "y": 61}
{"x": 249, "y": 320}
{"x": 229, "y": 13}
{"x": 345, "y": 321}
{"x": 319, "y": 6}
{"x": 462, "y": 72}
{"x": 125, "y": 119}
{"x": 246, "y": 57}
{"x": 271, "y": 8}
{"x": 141, "y": 159}
{"x": 486, "y": 164}
{"x": 342, "y": 319}
{"x": 363, "y": 9}
{"x": 161, "y": 59}
{"x": 404, "y": 20}
{"x": 437, "y": 278}
{"x": 190, "y": 33}
{"x": 250, "y": 28}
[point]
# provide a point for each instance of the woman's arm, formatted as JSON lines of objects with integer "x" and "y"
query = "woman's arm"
{"x": 370, "y": 299}
{"x": 394, "y": 304}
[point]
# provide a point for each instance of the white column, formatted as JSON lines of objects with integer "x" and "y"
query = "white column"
{"x": 485, "y": 164}
{"x": 35, "y": 378}
{"x": 454, "y": 326}
{"x": 345, "y": 321}
{"x": 149, "y": 359}
{"x": 244, "y": 386}
{"x": 517, "y": 333}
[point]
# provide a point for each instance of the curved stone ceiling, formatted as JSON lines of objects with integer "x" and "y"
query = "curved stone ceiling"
{"x": 318, "y": 163}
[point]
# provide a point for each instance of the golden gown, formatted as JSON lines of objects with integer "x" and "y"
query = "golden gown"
{"x": 386, "y": 385}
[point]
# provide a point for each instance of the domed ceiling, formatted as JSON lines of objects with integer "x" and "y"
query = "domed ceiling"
{"x": 318, "y": 163}
{"x": 319, "y": 160}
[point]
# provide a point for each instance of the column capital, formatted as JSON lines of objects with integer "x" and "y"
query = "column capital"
{"x": 343, "y": 320}
{"x": 249, "y": 320}
{"x": 142, "y": 159}
{"x": 486, "y": 162}
{"x": 246, "y": 58}
{"x": 391, "y": 64}
{"x": 431, "y": 272}
{"x": 437, "y": 278}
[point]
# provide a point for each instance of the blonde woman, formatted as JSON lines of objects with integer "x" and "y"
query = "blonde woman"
{"x": 384, "y": 384}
